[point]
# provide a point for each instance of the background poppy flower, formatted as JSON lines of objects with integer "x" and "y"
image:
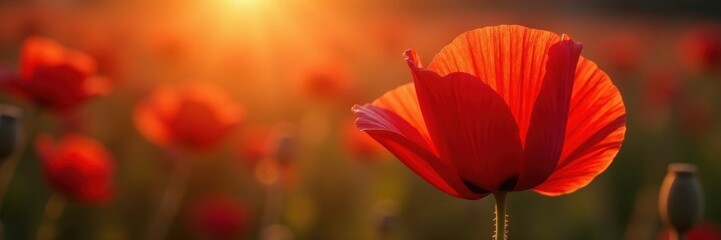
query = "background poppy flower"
{"x": 256, "y": 142}
{"x": 504, "y": 108}
{"x": 700, "y": 47}
{"x": 660, "y": 90}
{"x": 77, "y": 166}
{"x": 55, "y": 77}
{"x": 219, "y": 217}
{"x": 625, "y": 50}
{"x": 705, "y": 230}
{"x": 194, "y": 116}
{"x": 324, "y": 80}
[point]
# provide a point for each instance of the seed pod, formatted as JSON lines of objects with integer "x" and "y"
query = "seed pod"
{"x": 681, "y": 199}
{"x": 9, "y": 125}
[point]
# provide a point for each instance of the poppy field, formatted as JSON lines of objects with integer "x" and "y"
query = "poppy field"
{"x": 318, "y": 119}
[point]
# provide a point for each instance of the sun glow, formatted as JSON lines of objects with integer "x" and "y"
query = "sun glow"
{"x": 245, "y": 3}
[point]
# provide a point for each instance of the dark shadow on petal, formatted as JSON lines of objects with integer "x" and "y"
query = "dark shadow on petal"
{"x": 509, "y": 184}
{"x": 547, "y": 128}
{"x": 475, "y": 189}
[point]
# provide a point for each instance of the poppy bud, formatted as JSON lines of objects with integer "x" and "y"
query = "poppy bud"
{"x": 286, "y": 149}
{"x": 9, "y": 124}
{"x": 681, "y": 199}
{"x": 386, "y": 218}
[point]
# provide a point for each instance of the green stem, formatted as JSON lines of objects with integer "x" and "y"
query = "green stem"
{"x": 53, "y": 209}
{"x": 172, "y": 198}
{"x": 501, "y": 220}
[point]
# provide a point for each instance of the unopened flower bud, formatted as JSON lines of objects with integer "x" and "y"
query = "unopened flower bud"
{"x": 681, "y": 198}
{"x": 285, "y": 148}
{"x": 386, "y": 218}
{"x": 9, "y": 125}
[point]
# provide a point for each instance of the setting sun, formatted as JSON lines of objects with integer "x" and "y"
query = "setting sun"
{"x": 245, "y": 3}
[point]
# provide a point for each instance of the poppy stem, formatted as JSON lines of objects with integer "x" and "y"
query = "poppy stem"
{"x": 10, "y": 167}
{"x": 53, "y": 209}
{"x": 170, "y": 202}
{"x": 501, "y": 232}
{"x": 273, "y": 205}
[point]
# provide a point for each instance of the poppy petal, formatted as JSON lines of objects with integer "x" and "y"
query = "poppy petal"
{"x": 595, "y": 131}
{"x": 511, "y": 59}
{"x": 403, "y": 101}
{"x": 471, "y": 125}
{"x": 405, "y": 142}
{"x": 546, "y": 132}
{"x": 151, "y": 116}
{"x": 39, "y": 51}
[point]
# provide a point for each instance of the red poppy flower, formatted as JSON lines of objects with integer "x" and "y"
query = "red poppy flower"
{"x": 77, "y": 166}
{"x": 700, "y": 47}
{"x": 195, "y": 116}
{"x": 504, "y": 108}
{"x": 219, "y": 217}
{"x": 55, "y": 77}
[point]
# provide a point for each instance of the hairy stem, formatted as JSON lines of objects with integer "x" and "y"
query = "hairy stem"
{"x": 501, "y": 232}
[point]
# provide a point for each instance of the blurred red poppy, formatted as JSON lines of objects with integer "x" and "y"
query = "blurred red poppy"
{"x": 325, "y": 80}
{"x": 700, "y": 47}
{"x": 55, "y": 77}
{"x": 705, "y": 230}
{"x": 194, "y": 116}
{"x": 219, "y": 217}
{"x": 623, "y": 49}
{"x": 256, "y": 143}
{"x": 360, "y": 144}
{"x": 78, "y": 167}
{"x": 660, "y": 86}
{"x": 504, "y": 108}
{"x": 659, "y": 89}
